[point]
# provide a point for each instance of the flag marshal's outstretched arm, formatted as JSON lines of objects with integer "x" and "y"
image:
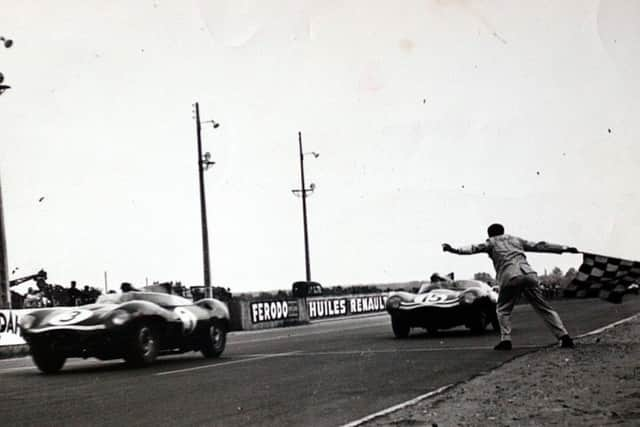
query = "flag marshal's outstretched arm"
{"x": 547, "y": 247}
{"x": 466, "y": 250}
{"x": 526, "y": 246}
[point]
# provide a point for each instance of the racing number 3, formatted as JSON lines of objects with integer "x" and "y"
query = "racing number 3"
{"x": 70, "y": 317}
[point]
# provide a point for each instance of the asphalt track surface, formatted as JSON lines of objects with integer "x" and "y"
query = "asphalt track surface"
{"x": 325, "y": 374}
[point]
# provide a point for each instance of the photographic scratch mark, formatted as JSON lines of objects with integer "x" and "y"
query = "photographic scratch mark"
{"x": 466, "y": 6}
{"x": 496, "y": 35}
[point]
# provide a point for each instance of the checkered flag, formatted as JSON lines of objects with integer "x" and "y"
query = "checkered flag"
{"x": 603, "y": 276}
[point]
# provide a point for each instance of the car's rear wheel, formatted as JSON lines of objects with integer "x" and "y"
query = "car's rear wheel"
{"x": 214, "y": 339}
{"x": 143, "y": 345}
{"x": 46, "y": 358}
{"x": 479, "y": 322}
{"x": 400, "y": 327}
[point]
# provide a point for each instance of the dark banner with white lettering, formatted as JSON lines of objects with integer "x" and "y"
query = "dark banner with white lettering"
{"x": 269, "y": 311}
{"x": 322, "y": 308}
{"x": 9, "y": 330}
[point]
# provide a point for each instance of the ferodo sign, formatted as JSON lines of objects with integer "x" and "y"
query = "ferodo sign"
{"x": 320, "y": 308}
{"x": 268, "y": 311}
{"x": 9, "y": 329}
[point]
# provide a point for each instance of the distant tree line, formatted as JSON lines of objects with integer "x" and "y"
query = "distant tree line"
{"x": 552, "y": 283}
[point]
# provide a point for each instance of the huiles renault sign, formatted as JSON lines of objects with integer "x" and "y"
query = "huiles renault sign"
{"x": 320, "y": 308}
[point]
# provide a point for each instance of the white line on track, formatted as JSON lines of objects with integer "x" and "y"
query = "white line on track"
{"x": 306, "y": 334}
{"x": 442, "y": 389}
{"x": 16, "y": 369}
{"x": 33, "y": 367}
{"x": 399, "y": 406}
{"x": 609, "y": 326}
{"x": 11, "y": 359}
{"x": 232, "y": 362}
{"x": 403, "y": 350}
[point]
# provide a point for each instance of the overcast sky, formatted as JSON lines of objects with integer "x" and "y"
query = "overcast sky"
{"x": 432, "y": 118}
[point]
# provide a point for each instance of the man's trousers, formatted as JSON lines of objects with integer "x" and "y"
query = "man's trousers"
{"x": 529, "y": 286}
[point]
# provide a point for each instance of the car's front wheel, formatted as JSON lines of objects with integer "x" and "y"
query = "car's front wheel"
{"x": 400, "y": 327}
{"x": 214, "y": 339}
{"x": 46, "y": 358}
{"x": 479, "y": 322}
{"x": 143, "y": 345}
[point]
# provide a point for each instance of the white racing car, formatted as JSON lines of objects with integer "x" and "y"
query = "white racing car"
{"x": 444, "y": 305}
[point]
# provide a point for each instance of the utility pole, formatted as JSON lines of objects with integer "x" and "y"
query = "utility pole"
{"x": 303, "y": 191}
{"x": 204, "y": 163}
{"x": 304, "y": 211}
{"x": 203, "y": 206}
{"x": 5, "y": 293}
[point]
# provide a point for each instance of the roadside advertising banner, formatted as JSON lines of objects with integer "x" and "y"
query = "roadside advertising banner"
{"x": 9, "y": 329}
{"x": 268, "y": 311}
{"x": 322, "y": 308}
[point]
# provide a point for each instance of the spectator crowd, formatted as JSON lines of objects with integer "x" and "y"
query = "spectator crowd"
{"x": 47, "y": 295}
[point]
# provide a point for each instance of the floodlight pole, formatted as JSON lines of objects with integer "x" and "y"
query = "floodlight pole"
{"x": 203, "y": 206}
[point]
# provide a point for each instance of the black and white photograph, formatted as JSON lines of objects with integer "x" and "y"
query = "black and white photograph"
{"x": 319, "y": 213}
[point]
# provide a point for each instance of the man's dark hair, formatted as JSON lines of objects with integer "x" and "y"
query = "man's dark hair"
{"x": 435, "y": 277}
{"x": 495, "y": 230}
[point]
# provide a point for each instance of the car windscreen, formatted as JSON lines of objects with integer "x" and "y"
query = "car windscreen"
{"x": 427, "y": 287}
{"x": 163, "y": 299}
{"x": 458, "y": 285}
{"x": 156, "y": 298}
{"x": 111, "y": 299}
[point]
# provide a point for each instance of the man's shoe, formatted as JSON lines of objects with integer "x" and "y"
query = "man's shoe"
{"x": 503, "y": 345}
{"x": 566, "y": 342}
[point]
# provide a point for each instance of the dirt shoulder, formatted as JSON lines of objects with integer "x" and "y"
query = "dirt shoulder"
{"x": 595, "y": 384}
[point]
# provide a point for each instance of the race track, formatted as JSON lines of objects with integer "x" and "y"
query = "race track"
{"x": 325, "y": 374}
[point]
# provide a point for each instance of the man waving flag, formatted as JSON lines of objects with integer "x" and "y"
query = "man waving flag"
{"x": 516, "y": 277}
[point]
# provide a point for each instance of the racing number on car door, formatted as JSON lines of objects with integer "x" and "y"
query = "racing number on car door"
{"x": 70, "y": 317}
{"x": 435, "y": 298}
{"x": 188, "y": 319}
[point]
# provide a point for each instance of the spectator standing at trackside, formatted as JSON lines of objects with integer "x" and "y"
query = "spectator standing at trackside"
{"x": 32, "y": 299}
{"x": 127, "y": 287}
{"x": 85, "y": 295}
{"x": 74, "y": 293}
{"x": 515, "y": 276}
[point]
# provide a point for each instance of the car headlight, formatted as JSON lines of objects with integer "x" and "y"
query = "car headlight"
{"x": 120, "y": 317}
{"x": 394, "y": 302}
{"x": 26, "y": 321}
{"x": 469, "y": 297}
